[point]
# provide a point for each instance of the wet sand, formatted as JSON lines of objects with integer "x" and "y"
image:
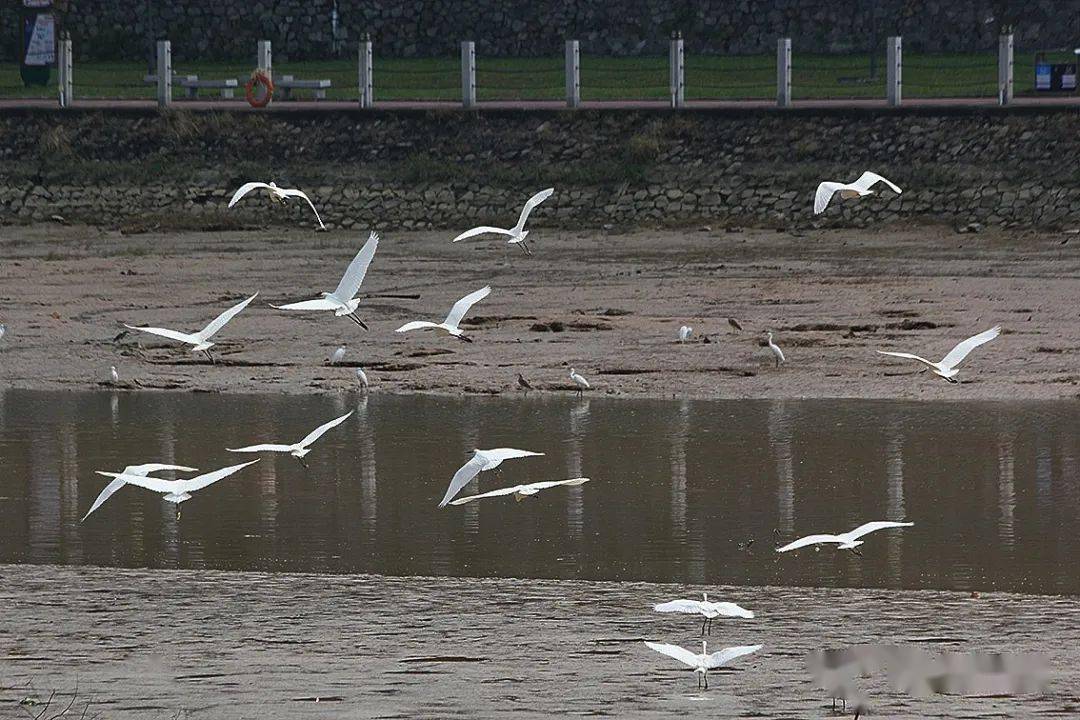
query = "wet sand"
{"x": 832, "y": 296}
{"x": 162, "y": 644}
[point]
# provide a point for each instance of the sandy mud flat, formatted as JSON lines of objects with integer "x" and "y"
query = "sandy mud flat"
{"x": 609, "y": 305}
{"x": 162, "y": 644}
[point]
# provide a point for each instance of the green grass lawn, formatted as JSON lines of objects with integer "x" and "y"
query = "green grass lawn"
{"x": 602, "y": 78}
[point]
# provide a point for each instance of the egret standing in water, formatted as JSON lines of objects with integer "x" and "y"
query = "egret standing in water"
{"x": 949, "y": 368}
{"x": 704, "y": 662}
{"x": 280, "y": 195}
{"x": 201, "y": 339}
{"x": 343, "y": 300}
{"x": 300, "y": 449}
{"x": 581, "y": 382}
{"x": 778, "y": 354}
{"x": 518, "y": 233}
{"x": 709, "y": 610}
{"x": 361, "y": 378}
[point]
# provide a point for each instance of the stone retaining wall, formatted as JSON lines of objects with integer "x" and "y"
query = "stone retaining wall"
{"x": 449, "y": 169}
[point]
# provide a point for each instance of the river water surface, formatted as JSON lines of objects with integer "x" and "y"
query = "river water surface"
{"x": 681, "y": 491}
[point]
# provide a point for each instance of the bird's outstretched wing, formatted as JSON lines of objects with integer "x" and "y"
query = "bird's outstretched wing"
{"x": 730, "y": 609}
{"x": 462, "y": 306}
{"x": 245, "y": 189}
{"x": 496, "y": 455}
{"x": 545, "y": 484}
{"x": 197, "y": 483}
{"x": 416, "y": 325}
{"x": 354, "y": 274}
{"x": 155, "y": 484}
{"x": 462, "y": 477}
{"x": 117, "y": 483}
{"x": 868, "y": 179}
{"x": 680, "y": 606}
{"x": 870, "y": 527}
{"x": 104, "y": 495}
{"x": 320, "y": 304}
{"x": 492, "y": 493}
{"x": 482, "y": 230}
{"x": 265, "y": 447}
{"x": 674, "y": 651}
{"x": 958, "y": 353}
{"x": 220, "y": 320}
{"x": 809, "y": 540}
{"x": 531, "y": 205}
{"x": 723, "y": 657}
{"x": 824, "y": 194}
{"x": 907, "y": 356}
{"x": 166, "y": 333}
{"x": 302, "y": 194}
{"x": 323, "y": 429}
{"x": 530, "y": 488}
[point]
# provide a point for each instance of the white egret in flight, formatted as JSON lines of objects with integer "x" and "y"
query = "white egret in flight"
{"x": 481, "y": 460}
{"x": 948, "y": 368}
{"x": 276, "y": 194}
{"x": 177, "y": 491}
{"x": 778, "y": 354}
{"x": 343, "y": 300}
{"x": 709, "y": 610}
{"x": 450, "y": 324}
{"x": 522, "y": 492}
{"x": 137, "y": 470}
{"x": 300, "y": 449}
{"x": 518, "y": 233}
{"x": 201, "y": 339}
{"x": 581, "y": 382}
{"x": 860, "y": 187}
{"x": 844, "y": 541}
{"x": 704, "y": 662}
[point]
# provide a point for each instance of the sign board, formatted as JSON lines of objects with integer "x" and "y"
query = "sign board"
{"x": 39, "y": 38}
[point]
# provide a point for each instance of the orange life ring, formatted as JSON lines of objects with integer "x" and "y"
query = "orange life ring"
{"x": 259, "y": 78}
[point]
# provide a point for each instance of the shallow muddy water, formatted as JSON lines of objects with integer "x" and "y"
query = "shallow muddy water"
{"x": 679, "y": 488}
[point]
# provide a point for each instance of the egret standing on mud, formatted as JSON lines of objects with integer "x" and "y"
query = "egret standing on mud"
{"x": 778, "y": 354}
{"x": 201, "y": 339}
{"x": 361, "y": 378}
{"x": 343, "y": 300}
{"x": 518, "y": 233}
{"x": 684, "y": 333}
{"x": 581, "y": 382}
{"x": 280, "y": 195}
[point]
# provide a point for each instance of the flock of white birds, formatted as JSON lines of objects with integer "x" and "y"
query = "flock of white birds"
{"x": 343, "y": 302}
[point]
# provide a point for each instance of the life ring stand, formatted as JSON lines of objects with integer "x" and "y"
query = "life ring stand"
{"x": 259, "y": 78}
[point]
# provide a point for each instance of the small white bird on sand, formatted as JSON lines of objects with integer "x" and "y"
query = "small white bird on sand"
{"x": 581, "y": 382}
{"x": 522, "y": 492}
{"x": 845, "y": 541}
{"x": 113, "y": 375}
{"x": 481, "y": 461}
{"x": 709, "y": 610}
{"x": 450, "y": 324}
{"x": 778, "y": 354}
{"x": 201, "y": 339}
{"x": 704, "y": 662}
{"x": 338, "y": 355}
{"x": 136, "y": 470}
{"x": 300, "y": 449}
{"x": 684, "y": 333}
{"x": 3, "y": 331}
{"x": 361, "y": 378}
{"x": 343, "y": 300}
{"x": 518, "y": 233}
{"x": 860, "y": 187}
{"x": 177, "y": 491}
{"x": 949, "y": 367}
{"x": 276, "y": 194}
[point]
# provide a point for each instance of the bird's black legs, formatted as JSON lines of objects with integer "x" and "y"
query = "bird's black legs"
{"x": 464, "y": 338}
{"x": 525, "y": 248}
{"x": 705, "y": 677}
{"x": 710, "y": 626}
{"x": 302, "y": 463}
{"x": 209, "y": 357}
{"x": 703, "y": 622}
{"x": 177, "y": 512}
{"x": 352, "y": 316}
{"x": 777, "y": 362}
{"x": 857, "y": 551}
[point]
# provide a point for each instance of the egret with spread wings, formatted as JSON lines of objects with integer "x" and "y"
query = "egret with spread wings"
{"x": 177, "y": 491}
{"x": 343, "y": 300}
{"x": 453, "y": 318}
{"x": 521, "y": 492}
{"x": 137, "y": 470}
{"x": 276, "y": 194}
{"x": 518, "y": 233}
{"x": 704, "y": 662}
{"x": 300, "y": 449}
{"x": 481, "y": 461}
{"x": 860, "y": 187}
{"x": 949, "y": 367}
{"x": 709, "y": 610}
{"x": 201, "y": 339}
{"x": 844, "y": 541}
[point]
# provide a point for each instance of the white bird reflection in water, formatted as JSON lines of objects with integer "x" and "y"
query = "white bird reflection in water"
{"x": 894, "y": 506}
{"x": 368, "y": 482}
{"x": 575, "y": 499}
{"x": 780, "y": 441}
{"x": 69, "y": 492}
{"x": 1006, "y": 493}
{"x": 1044, "y": 477}
{"x": 43, "y": 516}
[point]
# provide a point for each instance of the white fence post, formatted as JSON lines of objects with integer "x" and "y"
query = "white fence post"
{"x": 266, "y": 58}
{"x": 164, "y": 73}
{"x": 1005, "y": 69}
{"x": 894, "y": 66}
{"x": 367, "y": 85}
{"x": 468, "y": 74}
{"x": 573, "y": 74}
{"x": 677, "y": 75}
{"x": 64, "y": 64}
{"x": 783, "y": 72}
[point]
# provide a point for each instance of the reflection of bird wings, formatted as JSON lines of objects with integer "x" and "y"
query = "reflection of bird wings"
{"x": 531, "y": 205}
{"x": 301, "y": 194}
{"x": 483, "y": 229}
{"x": 674, "y": 651}
{"x": 265, "y": 447}
{"x": 166, "y": 333}
{"x": 354, "y": 274}
{"x": 870, "y": 527}
{"x": 320, "y": 304}
{"x": 416, "y": 325}
{"x": 245, "y": 189}
{"x": 530, "y": 489}
{"x": 323, "y": 429}
{"x": 868, "y": 179}
{"x": 810, "y": 540}
{"x": 462, "y": 306}
{"x": 220, "y": 320}
{"x": 681, "y": 606}
{"x": 958, "y": 353}
{"x": 726, "y": 655}
{"x": 462, "y": 477}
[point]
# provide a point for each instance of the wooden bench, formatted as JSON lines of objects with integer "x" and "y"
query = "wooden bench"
{"x": 287, "y": 83}
{"x": 193, "y": 84}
